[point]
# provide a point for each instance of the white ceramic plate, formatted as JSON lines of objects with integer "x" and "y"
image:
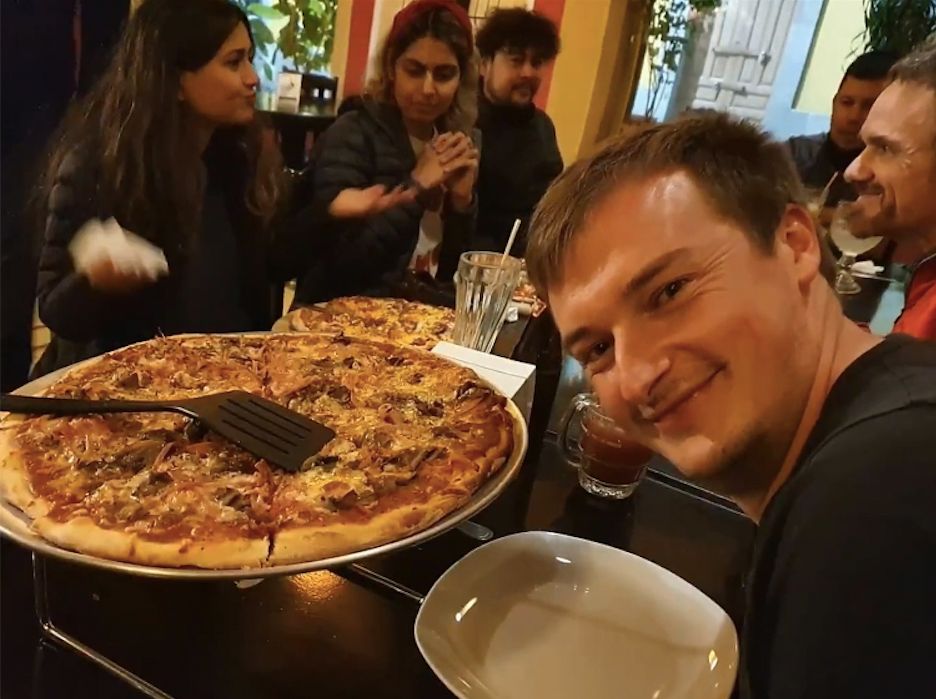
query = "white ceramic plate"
{"x": 545, "y": 615}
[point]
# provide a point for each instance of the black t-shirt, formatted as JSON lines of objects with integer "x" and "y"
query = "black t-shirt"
{"x": 842, "y": 594}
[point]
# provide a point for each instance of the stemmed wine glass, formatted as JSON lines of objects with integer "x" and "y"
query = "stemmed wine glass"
{"x": 841, "y": 233}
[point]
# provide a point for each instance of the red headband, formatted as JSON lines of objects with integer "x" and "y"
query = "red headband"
{"x": 409, "y": 14}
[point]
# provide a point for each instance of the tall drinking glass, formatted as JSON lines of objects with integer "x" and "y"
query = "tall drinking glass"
{"x": 851, "y": 247}
{"x": 483, "y": 289}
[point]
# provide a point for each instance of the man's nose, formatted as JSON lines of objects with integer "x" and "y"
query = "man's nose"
{"x": 637, "y": 372}
{"x": 858, "y": 171}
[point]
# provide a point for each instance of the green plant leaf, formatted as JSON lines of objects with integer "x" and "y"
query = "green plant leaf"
{"x": 264, "y": 12}
{"x": 261, "y": 33}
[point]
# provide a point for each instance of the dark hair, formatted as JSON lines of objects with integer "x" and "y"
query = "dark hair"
{"x": 437, "y": 23}
{"x": 874, "y": 65}
{"x": 744, "y": 175}
{"x": 517, "y": 29}
{"x": 919, "y": 66}
{"x": 133, "y": 128}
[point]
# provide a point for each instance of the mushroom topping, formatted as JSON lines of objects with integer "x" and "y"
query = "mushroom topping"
{"x": 230, "y": 497}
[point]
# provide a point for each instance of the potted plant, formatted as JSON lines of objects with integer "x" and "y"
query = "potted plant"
{"x": 295, "y": 34}
{"x": 897, "y": 25}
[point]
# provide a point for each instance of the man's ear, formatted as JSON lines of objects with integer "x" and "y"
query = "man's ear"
{"x": 797, "y": 239}
{"x": 484, "y": 66}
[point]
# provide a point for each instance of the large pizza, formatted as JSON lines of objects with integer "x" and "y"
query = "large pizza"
{"x": 416, "y": 437}
{"x": 397, "y": 321}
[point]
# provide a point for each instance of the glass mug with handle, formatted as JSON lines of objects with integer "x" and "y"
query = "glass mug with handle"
{"x": 609, "y": 463}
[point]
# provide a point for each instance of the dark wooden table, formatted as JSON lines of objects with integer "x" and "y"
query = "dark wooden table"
{"x": 869, "y": 305}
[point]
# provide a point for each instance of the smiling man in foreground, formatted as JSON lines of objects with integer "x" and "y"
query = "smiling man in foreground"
{"x": 683, "y": 272}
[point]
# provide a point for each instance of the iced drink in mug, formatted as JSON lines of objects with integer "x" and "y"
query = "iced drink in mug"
{"x": 610, "y": 464}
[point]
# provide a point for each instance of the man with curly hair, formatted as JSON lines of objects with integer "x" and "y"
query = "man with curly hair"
{"x": 519, "y": 155}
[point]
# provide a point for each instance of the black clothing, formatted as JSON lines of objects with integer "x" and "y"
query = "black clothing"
{"x": 85, "y": 321}
{"x": 38, "y": 79}
{"x": 519, "y": 161}
{"x": 208, "y": 286}
{"x": 817, "y": 158}
{"x": 367, "y": 146}
{"x": 841, "y": 596}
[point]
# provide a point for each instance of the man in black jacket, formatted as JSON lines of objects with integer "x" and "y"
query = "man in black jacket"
{"x": 520, "y": 156}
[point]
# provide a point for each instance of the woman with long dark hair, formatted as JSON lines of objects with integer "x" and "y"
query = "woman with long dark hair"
{"x": 167, "y": 145}
{"x": 411, "y": 137}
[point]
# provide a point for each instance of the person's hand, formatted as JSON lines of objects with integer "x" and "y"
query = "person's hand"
{"x": 451, "y": 147}
{"x": 361, "y": 203}
{"x": 115, "y": 260}
{"x": 460, "y": 160}
{"x": 429, "y": 172}
{"x": 103, "y": 275}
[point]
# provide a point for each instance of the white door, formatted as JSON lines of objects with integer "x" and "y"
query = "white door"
{"x": 743, "y": 57}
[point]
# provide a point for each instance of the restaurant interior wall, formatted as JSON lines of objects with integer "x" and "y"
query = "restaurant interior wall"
{"x": 836, "y": 45}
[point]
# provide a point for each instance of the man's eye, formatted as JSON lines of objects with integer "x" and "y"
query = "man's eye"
{"x": 596, "y": 352}
{"x": 668, "y": 292}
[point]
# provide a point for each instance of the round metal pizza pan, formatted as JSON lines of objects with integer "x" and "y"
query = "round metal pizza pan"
{"x": 16, "y": 525}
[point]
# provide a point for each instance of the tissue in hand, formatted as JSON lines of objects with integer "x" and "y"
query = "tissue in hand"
{"x": 97, "y": 241}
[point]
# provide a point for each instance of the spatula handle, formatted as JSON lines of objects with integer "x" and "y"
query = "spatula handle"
{"x": 32, "y": 405}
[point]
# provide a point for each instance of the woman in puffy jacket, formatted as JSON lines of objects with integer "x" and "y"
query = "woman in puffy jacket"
{"x": 412, "y": 134}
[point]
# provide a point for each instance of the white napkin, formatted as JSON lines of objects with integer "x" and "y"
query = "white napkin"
{"x": 867, "y": 267}
{"x": 130, "y": 254}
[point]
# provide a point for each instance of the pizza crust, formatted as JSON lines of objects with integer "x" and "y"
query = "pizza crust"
{"x": 307, "y": 543}
{"x": 84, "y": 535}
{"x": 242, "y": 552}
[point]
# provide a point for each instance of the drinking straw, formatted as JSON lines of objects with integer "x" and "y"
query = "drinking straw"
{"x": 825, "y": 192}
{"x": 510, "y": 242}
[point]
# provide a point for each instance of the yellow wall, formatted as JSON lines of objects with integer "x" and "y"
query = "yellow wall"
{"x": 576, "y": 71}
{"x": 594, "y": 73}
{"x": 339, "y": 58}
{"x": 834, "y": 48}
